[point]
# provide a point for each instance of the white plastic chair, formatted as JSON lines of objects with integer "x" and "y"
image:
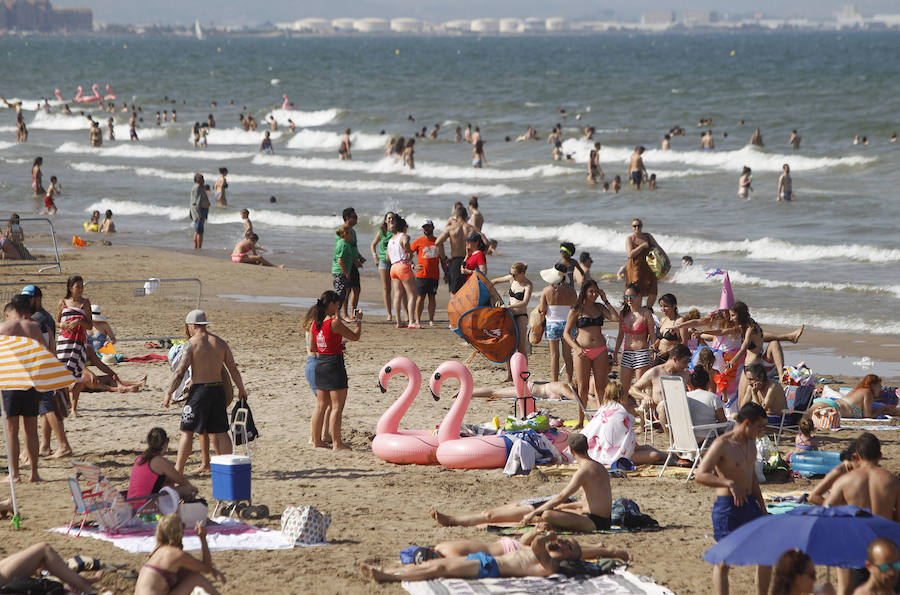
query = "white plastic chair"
{"x": 682, "y": 438}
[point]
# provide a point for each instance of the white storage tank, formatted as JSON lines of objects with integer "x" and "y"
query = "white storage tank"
{"x": 458, "y": 26}
{"x": 314, "y": 26}
{"x": 485, "y": 26}
{"x": 343, "y": 25}
{"x": 557, "y": 24}
{"x": 532, "y": 26}
{"x": 509, "y": 25}
{"x": 371, "y": 25}
{"x": 404, "y": 25}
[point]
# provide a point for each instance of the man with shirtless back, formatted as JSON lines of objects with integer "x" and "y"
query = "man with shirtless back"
{"x": 867, "y": 486}
{"x": 729, "y": 466}
{"x": 590, "y": 514}
{"x": 477, "y": 217}
{"x": 22, "y": 403}
{"x": 457, "y": 230}
{"x": 542, "y": 558}
{"x": 204, "y": 410}
{"x": 636, "y": 169}
{"x": 556, "y": 301}
{"x": 648, "y": 388}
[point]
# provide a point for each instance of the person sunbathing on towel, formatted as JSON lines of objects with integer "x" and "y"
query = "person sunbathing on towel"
{"x": 538, "y": 389}
{"x": 41, "y": 556}
{"x": 107, "y": 383}
{"x": 593, "y": 513}
{"x": 458, "y": 548}
{"x": 543, "y": 558}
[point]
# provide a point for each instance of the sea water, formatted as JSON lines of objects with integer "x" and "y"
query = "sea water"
{"x": 829, "y": 259}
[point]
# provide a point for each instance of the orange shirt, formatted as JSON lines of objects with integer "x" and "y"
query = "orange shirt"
{"x": 427, "y": 256}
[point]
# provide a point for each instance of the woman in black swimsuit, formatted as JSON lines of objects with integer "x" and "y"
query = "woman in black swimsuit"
{"x": 566, "y": 258}
{"x": 520, "y": 288}
{"x": 668, "y": 335}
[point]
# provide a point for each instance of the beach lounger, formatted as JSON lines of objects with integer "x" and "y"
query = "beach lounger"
{"x": 681, "y": 428}
{"x": 790, "y": 417}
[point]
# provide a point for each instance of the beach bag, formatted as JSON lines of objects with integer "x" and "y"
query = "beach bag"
{"x": 627, "y": 514}
{"x": 26, "y": 585}
{"x": 827, "y": 418}
{"x": 251, "y": 432}
{"x": 304, "y": 525}
{"x": 658, "y": 263}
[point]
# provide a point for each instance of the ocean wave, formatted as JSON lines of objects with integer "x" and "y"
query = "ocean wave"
{"x": 138, "y": 151}
{"x": 423, "y": 168}
{"x": 321, "y": 140}
{"x": 44, "y": 121}
{"x": 302, "y": 118}
{"x": 32, "y": 105}
{"x": 697, "y": 276}
{"x": 143, "y": 133}
{"x": 607, "y": 240}
{"x": 753, "y": 157}
{"x": 6, "y": 145}
{"x": 235, "y": 136}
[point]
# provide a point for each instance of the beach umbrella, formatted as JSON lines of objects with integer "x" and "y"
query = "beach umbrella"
{"x": 26, "y": 363}
{"x": 836, "y": 536}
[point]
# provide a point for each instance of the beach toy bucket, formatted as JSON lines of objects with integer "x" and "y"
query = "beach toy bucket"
{"x": 230, "y": 477}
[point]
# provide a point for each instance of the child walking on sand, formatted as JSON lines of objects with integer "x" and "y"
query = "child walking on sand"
{"x": 53, "y": 191}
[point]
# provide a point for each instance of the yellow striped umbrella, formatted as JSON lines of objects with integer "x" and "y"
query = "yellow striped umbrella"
{"x": 26, "y": 363}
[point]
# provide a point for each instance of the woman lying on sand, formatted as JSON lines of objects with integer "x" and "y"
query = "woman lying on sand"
{"x": 41, "y": 556}
{"x": 860, "y": 402}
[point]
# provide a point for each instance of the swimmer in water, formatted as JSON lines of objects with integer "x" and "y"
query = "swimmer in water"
{"x": 265, "y": 146}
{"x": 478, "y": 158}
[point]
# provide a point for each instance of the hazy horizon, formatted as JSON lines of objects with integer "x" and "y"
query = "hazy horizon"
{"x": 233, "y": 13}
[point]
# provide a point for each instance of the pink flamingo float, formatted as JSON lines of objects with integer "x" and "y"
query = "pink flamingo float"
{"x": 59, "y": 95}
{"x": 391, "y": 444}
{"x": 287, "y": 103}
{"x": 81, "y": 98}
{"x": 525, "y": 403}
{"x": 475, "y": 452}
{"x": 110, "y": 96}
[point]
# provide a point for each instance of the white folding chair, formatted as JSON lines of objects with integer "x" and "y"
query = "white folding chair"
{"x": 682, "y": 438}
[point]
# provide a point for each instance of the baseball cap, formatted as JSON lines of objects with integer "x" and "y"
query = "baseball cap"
{"x": 428, "y": 222}
{"x": 196, "y": 317}
{"x": 29, "y": 290}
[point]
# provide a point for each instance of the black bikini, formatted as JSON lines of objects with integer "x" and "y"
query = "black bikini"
{"x": 584, "y": 321}
{"x": 519, "y": 296}
{"x": 668, "y": 336}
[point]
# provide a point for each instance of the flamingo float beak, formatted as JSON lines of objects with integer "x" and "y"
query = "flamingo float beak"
{"x": 434, "y": 395}
{"x": 381, "y": 387}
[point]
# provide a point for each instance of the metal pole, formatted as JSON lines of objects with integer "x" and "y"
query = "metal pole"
{"x": 55, "y": 249}
{"x": 16, "y": 520}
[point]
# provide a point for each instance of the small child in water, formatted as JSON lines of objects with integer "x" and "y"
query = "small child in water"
{"x": 248, "y": 225}
{"x": 108, "y": 226}
{"x": 652, "y": 182}
{"x": 53, "y": 191}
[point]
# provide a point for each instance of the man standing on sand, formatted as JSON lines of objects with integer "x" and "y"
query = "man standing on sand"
{"x": 22, "y": 403}
{"x": 477, "y": 217}
{"x": 50, "y": 420}
{"x": 883, "y": 564}
{"x": 353, "y": 283}
{"x": 648, "y": 390}
{"x": 204, "y": 410}
{"x": 729, "y": 466}
{"x": 199, "y": 209}
{"x": 785, "y": 187}
{"x": 590, "y": 514}
{"x": 428, "y": 271}
{"x": 457, "y": 230}
{"x": 636, "y": 169}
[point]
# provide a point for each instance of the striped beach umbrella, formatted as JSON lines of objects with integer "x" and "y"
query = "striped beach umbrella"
{"x": 24, "y": 364}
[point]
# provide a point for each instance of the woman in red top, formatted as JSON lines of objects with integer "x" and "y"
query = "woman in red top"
{"x": 328, "y": 331}
{"x": 475, "y": 259}
{"x": 152, "y": 471}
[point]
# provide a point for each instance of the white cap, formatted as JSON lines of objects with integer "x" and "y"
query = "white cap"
{"x": 196, "y": 317}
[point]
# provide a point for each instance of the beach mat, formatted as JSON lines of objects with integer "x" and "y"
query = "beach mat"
{"x": 515, "y": 530}
{"x": 620, "y": 581}
{"x": 880, "y": 428}
{"x": 228, "y": 534}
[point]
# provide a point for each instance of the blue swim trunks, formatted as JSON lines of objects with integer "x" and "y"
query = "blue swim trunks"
{"x": 488, "y": 568}
{"x": 555, "y": 330}
{"x": 726, "y": 517}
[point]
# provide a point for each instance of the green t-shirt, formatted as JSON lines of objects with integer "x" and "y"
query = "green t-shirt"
{"x": 345, "y": 250}
{"x": 381, "y": 247}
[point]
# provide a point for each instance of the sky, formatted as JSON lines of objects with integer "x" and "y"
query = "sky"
{"x": 241, "y": 12}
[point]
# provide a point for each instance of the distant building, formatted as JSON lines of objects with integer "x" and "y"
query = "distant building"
{"x": 663, "y": 17}
{"x": 371, "y": 25}
{"x": 887, "y": 20}
{"x": 556, "y": 24}
{"x": 532, "y": 25}
{"x": 39, "y": 15}
{"x": 485, "y": 26}
{"x": 459, "y": 26}
{"x": 313, "y": 26}
{"x": 700, "y": 17}
{"x": 343, "y": 25}
{"x": 849, "y": 17}
{"x": 403, "y": 25}
{"x": 509, "y": 25}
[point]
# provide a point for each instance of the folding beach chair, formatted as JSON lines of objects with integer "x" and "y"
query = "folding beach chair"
{"x": 86, "y": 502}
{"x": 648, "y": 422}
{"x": 117, "y": 510}
{"x": 791, "y": 416}
{"x": 588, "y": 413}
{"x": 682, "y": 438}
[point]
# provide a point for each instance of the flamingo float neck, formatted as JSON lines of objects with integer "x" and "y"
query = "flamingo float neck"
{"x": 390, "y": 419}
{"x": 452, "y": 422}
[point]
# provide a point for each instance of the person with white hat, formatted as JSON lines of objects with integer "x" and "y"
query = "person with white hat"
{"x": 204, "y": 411}
{"x": 556, "y": 301}
{"x": 428, "y": 272}
{"x": 102, "y": 331}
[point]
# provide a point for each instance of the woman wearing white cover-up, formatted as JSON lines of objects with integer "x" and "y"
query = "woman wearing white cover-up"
{"x": 610, "y": 432}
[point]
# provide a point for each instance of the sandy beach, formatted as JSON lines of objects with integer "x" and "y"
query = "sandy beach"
{"x": 378, "y": 508}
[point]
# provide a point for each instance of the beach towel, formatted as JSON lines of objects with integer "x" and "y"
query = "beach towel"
{"x": 146, "y": 359}
{"x": 227, "y": 534}
{"x": 517, "y": 530}
{"x": 620, "y": 581}
{"x": 610, "y": 434}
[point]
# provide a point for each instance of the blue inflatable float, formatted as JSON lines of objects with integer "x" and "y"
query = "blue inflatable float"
{"x": 817, "y": 462}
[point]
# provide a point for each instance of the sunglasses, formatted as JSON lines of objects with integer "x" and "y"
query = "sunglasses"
{"x": 629, "y": 297}
{"x": 886, "y": 567}
{"x": 637, "y": 226}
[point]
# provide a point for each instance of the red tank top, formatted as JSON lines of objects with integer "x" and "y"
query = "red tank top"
{"x": 327, "y": 342}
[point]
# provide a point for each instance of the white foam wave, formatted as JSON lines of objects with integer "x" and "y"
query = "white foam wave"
{"x": 607, "y": 240}
{"x": 138, "y": 151}
{"x": 96, "y": 167}
{"x": 321, "y": 140}
{"x": 753, "y": 157}
{"x": 423, "y": 168}
{"x": 302, "y": 118}
{"x": 130, "y": 207}
{"x": 6, "y": 145}
{"x": 144, "y": 133}
{"x": 696, "y": 275}
{"x": 44, "y": 121}
{"x": 31, "y": 105}
{"x": 236, "y": 136}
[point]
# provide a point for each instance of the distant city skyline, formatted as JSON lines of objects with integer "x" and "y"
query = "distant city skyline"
{"x": 234, "y": 13}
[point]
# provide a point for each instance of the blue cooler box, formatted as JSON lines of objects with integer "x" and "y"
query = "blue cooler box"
{"x": 230, "y": 477}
